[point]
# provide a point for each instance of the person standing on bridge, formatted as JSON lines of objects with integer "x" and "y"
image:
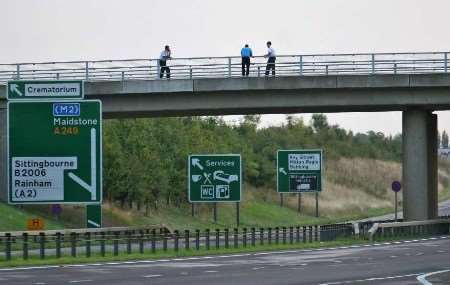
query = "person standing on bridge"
{"x": 246, "y": 53}
{"x": 164, "y": 56}
{"x": 271, "y": 59}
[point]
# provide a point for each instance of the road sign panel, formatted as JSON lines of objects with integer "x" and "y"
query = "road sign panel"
{"x": 94, "y": 216}
{"x": 54, "y": 157}
{"x": 214, "y": 178}
{"x": 299, "y": 171}
{"x": 37, "y": 89}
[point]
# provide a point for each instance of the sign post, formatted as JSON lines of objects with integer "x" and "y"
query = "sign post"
{"x": 300, "y": 171}
{"x": 396, "y": 187}
{"x": 54, "y": 152}
{"x": 94, "y": 216}
{"x": 214, "y": 178}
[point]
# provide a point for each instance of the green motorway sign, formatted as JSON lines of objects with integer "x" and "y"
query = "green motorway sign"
{"x": 299, "y": 171}
{"x": 214, "y": 178}
{"x": 54, "y": 152}
{"x": 93, "y": 216}
{"x": 38, "y": 89}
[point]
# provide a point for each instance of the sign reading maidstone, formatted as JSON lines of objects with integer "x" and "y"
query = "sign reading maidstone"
{"x": 299, "y": 171}
{"x": 214, "y": 178}
{"x": 34, "y": 89}
{"x": 54, "y": 152}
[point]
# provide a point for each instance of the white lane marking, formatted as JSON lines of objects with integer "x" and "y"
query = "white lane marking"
{"x": 394, "y": 256}
{"x": 80, "y": 281}
{"x": 152, "y": 276}
{"x": 257, "y": 268}
{"x": 211, "y": 271}
{"x": 371, "y": 279}
{"x": 423, "y": 278}
{"x": 40, "y": 283}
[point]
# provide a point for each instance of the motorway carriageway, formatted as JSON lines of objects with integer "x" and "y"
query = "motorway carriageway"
{"x": 399, "y": 262}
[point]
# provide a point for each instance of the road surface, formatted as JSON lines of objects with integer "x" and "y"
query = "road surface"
{"x": 385, "y": 263}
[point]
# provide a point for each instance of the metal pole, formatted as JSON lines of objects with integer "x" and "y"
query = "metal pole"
{"x": 317, "y": 204}
{"x": 192, "y": 209}
{"x": 299, "y": 208}
{"x": 87, "y": 70}
{"x": 281, "y": 200}
{"x": 373, "y": 63}
{"x": 18, "y": 72}
{"x": 237, "y": 214}
{"x": 395, "y": 207}
{"x": 215, "y": 212}
{"x": 445, "y": 62}
{"x": 301, "y": 65}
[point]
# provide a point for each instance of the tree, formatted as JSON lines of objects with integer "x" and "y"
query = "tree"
{"x": 319, "y": 122}
{"x": 444, "y": 139}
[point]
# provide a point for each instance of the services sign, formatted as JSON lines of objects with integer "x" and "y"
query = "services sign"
{"x": 214, "y": 178}
{"x": 54, "y": 152}
{"x": 37, "y": 89}
{"x": 299, "y": 171}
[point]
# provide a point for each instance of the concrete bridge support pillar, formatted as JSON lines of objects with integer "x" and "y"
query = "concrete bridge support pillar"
{"x": 419, "y": 165}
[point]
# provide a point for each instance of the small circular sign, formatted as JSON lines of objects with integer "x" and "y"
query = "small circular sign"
{"x": 396, "y": 186}
{"x": 56, "y": 209}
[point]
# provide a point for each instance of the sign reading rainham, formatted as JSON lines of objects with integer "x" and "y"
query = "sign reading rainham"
{"x": 37, "y": 89}
{"x": 299, "y": 171}
{"x": 54, "y": 152}
{"x": 214, "y": 178}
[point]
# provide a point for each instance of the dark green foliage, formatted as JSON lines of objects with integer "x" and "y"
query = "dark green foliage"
{"x": 145, "y": 159}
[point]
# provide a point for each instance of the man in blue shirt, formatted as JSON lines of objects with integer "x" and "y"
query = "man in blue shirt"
{"x": 246, "y": 53}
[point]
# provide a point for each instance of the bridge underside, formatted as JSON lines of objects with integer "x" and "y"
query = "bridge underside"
{"x": 416, "y": 95}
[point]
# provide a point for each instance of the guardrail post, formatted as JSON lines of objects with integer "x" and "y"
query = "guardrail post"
{"x": 197, "y": 239}
{"x": 301, "y": 65}
{"x": 277, "y": 235}
{"x": 153, "y": 237}
{"x": 304, "y": 234}
{"x": 316, "y": 233}
{"x": 57, "y": 76}
{"x": 190, "y": 72}
{"x": 116, "y": 244}
{"x": 176, "y": 236}
{"x": 297, "y": 234}
{"x": 253, "y": 236}
{"x": 291, "y": 235}
{"x": 207, "y": 236}
{"x": 226, "y": 238}
{"x": 123, "y": 75}
{"x": 18, "y": 72}
{"x": 259, "y": 71}
{"x": 269, "y": 235}
{"x": 244, "y": 237}
{"x": 445, "y": 62}
{"x": 395, "y": 68}
{"x": 102, "y": 243}
{"x": 73, "y": 244}
{"x": 284, "y": 235}
{"x": 373, "y": 63}
{"x": 87, "y": 70}
{"x": 217, "y": 238}
{"x": 186, "y": 239}
{"x": 25, "y": 247}
{"x": 326, "y": 69}
{"x": 141, "y": 241}
{"x": 235, "y": 238}
{"x": 310, "y": 233}
{"x": 164, "y": 238}
{"x": 88, "y": 244}
{"x": 128, "y": 234}
{"x": 261, "y": 236}
{"x": 229, "y": 67}
{"x": 8, "y": 246}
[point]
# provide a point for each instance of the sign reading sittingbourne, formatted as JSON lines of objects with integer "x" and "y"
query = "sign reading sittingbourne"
{"x": 34, "y": 89}
{"x": 54, "y": 152}
{"x": 214, "y": 178}
{"x": 299, "y": 171}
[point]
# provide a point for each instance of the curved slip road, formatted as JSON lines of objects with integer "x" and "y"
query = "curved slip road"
{"x": 381, "y": 263}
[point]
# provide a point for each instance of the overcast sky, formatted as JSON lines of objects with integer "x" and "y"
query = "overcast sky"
{"x": 57, "y": 30}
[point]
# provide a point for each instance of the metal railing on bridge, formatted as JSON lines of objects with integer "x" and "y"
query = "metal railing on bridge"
{"x": 223, "y": 67}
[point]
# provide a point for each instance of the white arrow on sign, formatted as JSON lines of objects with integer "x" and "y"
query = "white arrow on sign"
{"x": 196, "y": 162}
{"x": 94, "y": 223}
{"x": 15, "y": 88}
{"x": 93, "y": 187}
{"x": 283, "y": 171}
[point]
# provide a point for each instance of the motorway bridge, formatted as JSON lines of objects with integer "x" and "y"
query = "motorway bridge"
{"x": 415, "y": 83}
